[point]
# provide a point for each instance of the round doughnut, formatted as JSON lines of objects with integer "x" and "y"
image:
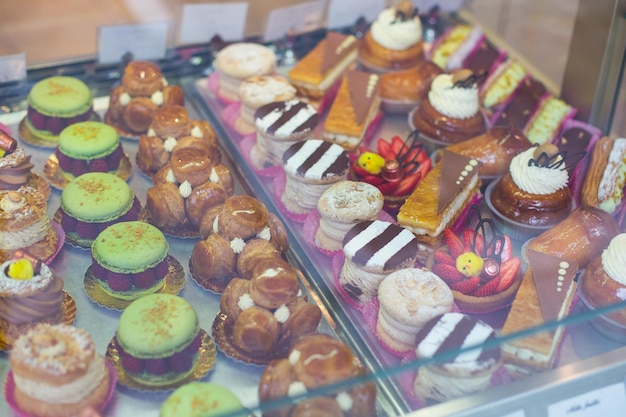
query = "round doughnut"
{"x": 256, "y": 331}
{"x": 138, "y": 114}
{"x": 165, "y": 205}
{"x": 223, "y": 177}
{"x": 323, "y": 360}
{"x": 202, "y": 198}
{"x": 142, "y": 78}
{"x": 229, "y": 301}
{"x": 151, "y": 155}
{"x": 192, "y": 165}
{"x": 278, "y": 232}
{"x": 212, "y": 258}
{"x": 173, "y": 94}
{"x": 242, "y": 217}
{"x": 194, "y": 142}
{"x": 274, "y": 283}
{"x": 171, "y": 121}
{"x": 207, "y": 221}
{"x": 254, "y": 250}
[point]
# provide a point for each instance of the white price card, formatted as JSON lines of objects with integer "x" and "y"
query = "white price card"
{"x": 145, "y": 41}
{"x": 343, "y": 13}
{"x": 200, "y": 22}
{"x": 603, "y": 402}
{"x": 299, "y": 18}
{"x": 12, "y": 67}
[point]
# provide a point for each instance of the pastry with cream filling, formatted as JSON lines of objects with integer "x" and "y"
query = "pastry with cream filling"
{"x": 142, "y": 91}
{"x": 394, "y": 40}
{"x": 16, "y": 167}
{"x": 315, "y": 361}
{"x": 354, "y": 108}
{"x": 468, "y": 371}
{"x": 57, "y": 372}
{"x": 30, "y": 293}
{"x": 316, "y": 73}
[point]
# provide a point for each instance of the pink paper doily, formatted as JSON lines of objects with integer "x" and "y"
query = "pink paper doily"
{"x": 61, "y": 241}
{"x": 6, "y": 129}
{"x": 279, "y": 188}
{"x": 9, "y": 391}
{"x": 213, "y": 82}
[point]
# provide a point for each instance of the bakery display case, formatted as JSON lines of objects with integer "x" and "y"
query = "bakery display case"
{"x": 589, "y": 366}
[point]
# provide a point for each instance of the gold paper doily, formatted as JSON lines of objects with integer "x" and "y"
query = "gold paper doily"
{"x": 223, "y": 335}
{"x": 34, "y": 140}
{"x": 59, "y": 180}
{"x": 204, "y": 363}
{"x": 68, "y": 314}
{"x": 174, "y": 282}
{"x": 186, "y": 231}
{"x": 78, "y": 242}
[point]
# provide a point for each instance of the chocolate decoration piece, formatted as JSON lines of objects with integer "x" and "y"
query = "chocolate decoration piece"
{"x": 558, "y": 160}
{"x": 466, "y": 80}
{"x": 456, "y": 171}
{"x": 572, "y": 141}
{"x": 22, "y": 254}
{"x": 363, "y": 88}
{"x": 392, "y": 171}
{"x": 482, "y": 59}
{"x": 554, "y": 279}
{"x": 491, "y": 269}
{"x": 336, "y": 48}
{"x": 519, "y": 110}
{"x": 7, "y": 143}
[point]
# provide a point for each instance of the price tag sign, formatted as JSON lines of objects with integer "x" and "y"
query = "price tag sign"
{"x": 12, "y": 67}
{"x": 200, "y": 22}
{"x": 145, "y": 41}
{"x": 343, "y": 13}
{"x": 300, "y": 18}
{"x": 603, "y": 402}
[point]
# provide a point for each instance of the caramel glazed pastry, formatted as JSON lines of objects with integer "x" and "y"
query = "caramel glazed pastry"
{"x": 236, "y": 235}
{"x": 143, "y": 89}
{"x": 170, "y": 128}
{"x": 27, "y": 299}
{"x": 185, "y": 188}
{"x": 24, "y": 224}
{"x": 16, "y": 167}
{"x": 58, "y": 372}
{"x": 315, "y": 361}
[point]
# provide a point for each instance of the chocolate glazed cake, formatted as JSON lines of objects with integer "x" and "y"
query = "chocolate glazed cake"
{"x": 374, "y": 249}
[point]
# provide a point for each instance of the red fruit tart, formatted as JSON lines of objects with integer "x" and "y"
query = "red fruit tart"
{"x": 395, "y": 168}
{"x": 479, "y": 266}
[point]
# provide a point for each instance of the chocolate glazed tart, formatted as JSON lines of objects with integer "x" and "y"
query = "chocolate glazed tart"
{"x": 446, "y": 129}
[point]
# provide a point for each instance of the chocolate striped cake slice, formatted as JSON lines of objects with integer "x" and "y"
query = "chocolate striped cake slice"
{"x": 458, "y": 331}
{"x": 316, "y": 160}
{"x": 284, "y": 119}
{"x": 380, "y": 245}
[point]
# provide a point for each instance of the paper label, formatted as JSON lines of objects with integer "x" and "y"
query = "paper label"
{"x": 606, "y": 402}
{"x": 145, "y": 41}
{"x": 300, "y": 18}
{"x": 12, "y": 67}
{"x": 343, "y": 13}
{"x": 200, "y": 22}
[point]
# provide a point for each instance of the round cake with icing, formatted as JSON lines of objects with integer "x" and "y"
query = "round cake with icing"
{"x": 129, "y": 259}
{"x": 311, "y": 166}
{"x": 30, "y": 293}
{"x": 94, "y": 201}
{"x": 55, "y": 103}
{"x": 89, "y": 147}
{"x": 158, "y": 338}
{"x": 58, "y": 372}
{"x": 200, "y": 399}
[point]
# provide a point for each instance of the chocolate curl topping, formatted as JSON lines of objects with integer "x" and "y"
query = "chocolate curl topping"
{"x": 405, "y": 11}
{"x": 548, "y": 156}
{"x": 493, "y": 243}
{"x": 468, "y": 80}
{"x": 408, "y": 153}
{"x": 22, "y": 254}
{"x": 7, "y": 143}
